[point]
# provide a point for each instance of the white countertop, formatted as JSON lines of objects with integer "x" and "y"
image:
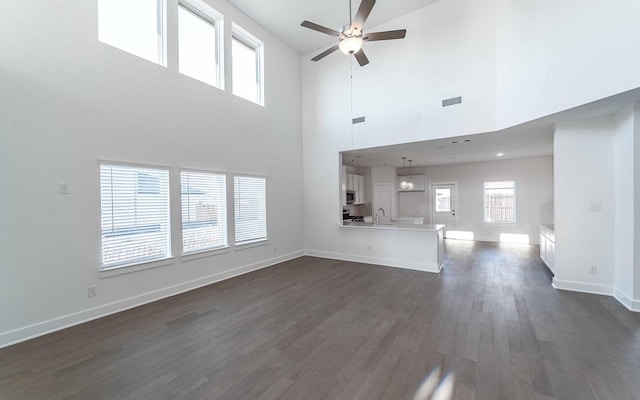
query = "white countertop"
{"x": 550, "y": 227}
{"x": 393, "y": 227}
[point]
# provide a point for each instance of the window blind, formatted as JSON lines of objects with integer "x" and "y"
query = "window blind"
{"x": 204, "y": 211}
{"x": 135, "y": 214}
{"x": 250, "y": 209}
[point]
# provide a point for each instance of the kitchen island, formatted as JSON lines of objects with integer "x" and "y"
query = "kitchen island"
{"x": 403, "y": 245}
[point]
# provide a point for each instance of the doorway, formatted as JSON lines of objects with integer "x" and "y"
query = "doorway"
{"x": 443, "y": 205}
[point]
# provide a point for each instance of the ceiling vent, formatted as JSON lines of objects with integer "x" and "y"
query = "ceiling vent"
{"x": 452, "y": 101}
{"x": 357, "y": 120}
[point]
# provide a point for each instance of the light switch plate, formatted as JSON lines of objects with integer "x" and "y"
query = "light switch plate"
{"x": 595, "y": 207}
{"x": 64, "y": 188}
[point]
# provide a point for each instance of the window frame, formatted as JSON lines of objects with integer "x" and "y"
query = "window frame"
{"x": 209, "y": 15}
{"x": 139, "y": 264}
{"x": 484, "y": 203}
{"x": 251, "y": 242}
{"x": 161, "y": 20}
{"x": 209, "y": 250}
{"x": 245, "y": 38}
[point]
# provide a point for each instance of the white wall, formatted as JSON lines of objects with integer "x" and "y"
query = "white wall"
{"x": 448, "y": 52}
{"x": 584, "y": 178}
{"x": 68, "y": 101}
{"x": 553, "y": 55}
{"x": 624, "y": 138}
{"x": 534, "y": 195}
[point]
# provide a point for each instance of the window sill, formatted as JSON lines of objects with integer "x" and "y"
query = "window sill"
{"x": 127, "y": 269}
{"x": 195, "y": 255}
{"x": 252, "y": 244}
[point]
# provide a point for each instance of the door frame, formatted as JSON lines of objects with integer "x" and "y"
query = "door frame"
{"x": 454, "y": 206}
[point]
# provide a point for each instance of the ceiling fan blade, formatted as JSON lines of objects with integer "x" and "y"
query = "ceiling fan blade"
{"x": 388, "y": 35}
{"x": 363, "y": 13}
{"x": 325, "y": 53}
{"x": 362, "y": 59}
{"x": 319, "y": 28}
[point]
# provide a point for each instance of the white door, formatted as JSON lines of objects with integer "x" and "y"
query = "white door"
{"x": 382, "y": 200}
{"x": 443, "y": 209}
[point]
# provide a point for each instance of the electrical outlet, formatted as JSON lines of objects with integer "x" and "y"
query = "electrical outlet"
{"x": 593, "y": 269}
{"x": 64, "y": 188}
{"x": 275, "y": 249}
{"x": 92, "y": 291}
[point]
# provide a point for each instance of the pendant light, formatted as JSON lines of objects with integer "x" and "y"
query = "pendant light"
{"x": 404, "y": 184}
{"x": 410, "y": 184}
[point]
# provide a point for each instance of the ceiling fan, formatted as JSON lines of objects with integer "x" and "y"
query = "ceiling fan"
{"x": 351, "y": 36}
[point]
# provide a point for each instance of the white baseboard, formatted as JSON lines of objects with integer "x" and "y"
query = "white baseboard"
{"x": 42, "y": 328}
{"x": 387, "y": 262}
{"x": 583, "y": 287}
{"x": 632, "y": 305}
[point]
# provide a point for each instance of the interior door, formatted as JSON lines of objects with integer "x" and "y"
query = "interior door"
{"x": 382, "y": 199}
{"x": 443, "y": 209}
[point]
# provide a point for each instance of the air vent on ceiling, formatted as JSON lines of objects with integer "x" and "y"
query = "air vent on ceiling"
{"x": 358, "y": 120}
{"x": 452, "y": 101}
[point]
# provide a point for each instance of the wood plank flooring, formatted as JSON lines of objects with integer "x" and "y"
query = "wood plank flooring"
{"x": 489, "y": 326}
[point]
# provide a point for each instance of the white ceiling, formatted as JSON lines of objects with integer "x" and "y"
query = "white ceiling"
{"x": 283, "y": 18}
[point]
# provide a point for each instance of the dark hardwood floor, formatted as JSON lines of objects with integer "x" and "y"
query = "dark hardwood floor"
{"x": 312, "y": 328}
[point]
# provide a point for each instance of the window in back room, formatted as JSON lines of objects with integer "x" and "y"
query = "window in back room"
{"x": 500, "y": 202}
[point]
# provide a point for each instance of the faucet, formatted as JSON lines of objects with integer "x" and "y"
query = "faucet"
{"x": 382, "y": 209}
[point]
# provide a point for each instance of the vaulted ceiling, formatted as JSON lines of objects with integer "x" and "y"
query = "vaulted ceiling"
{"x": 283, "y": 17}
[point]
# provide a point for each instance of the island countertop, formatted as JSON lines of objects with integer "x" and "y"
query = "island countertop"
{"x": 393, "y": 226}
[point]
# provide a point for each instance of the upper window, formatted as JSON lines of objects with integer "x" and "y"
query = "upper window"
{"x": 136, "y": 27}
{"x": 135, "y": 214}
{"x": 204, "y": 211}
{"x": 250, "y": 208}
{"x": 500, "y": 202}
{"x": 247, "y": 56}
{"x": 199, "y": 41}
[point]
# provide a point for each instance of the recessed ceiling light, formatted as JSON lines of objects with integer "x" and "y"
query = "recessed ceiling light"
{"x": 467, "y": 140}
{"x": 500, "y": 154}
{"x": 441, "y": 147}
{"x": 454, "y": 141}
{"x": 452, "y": 158}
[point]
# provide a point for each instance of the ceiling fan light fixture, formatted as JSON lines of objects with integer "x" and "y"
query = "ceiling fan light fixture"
{"x": 351, "y": 44}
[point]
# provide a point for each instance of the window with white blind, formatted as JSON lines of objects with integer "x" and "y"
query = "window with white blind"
{"x": 136, "y": 27}
{"x": 250, "y": 207}
{"x": 204, "y": 211}
{"x": 199, "y": 41}
{"x": 500, "y": 202}
{"x": 247, "y": 65}
{"x": 135, "y": 214}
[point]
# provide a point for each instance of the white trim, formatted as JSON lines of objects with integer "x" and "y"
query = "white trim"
{"x": 386, "y": 262}
{"x": 632, "y": 305}
{"x": 583, "y": 287}
{"x": 197, "y": 254}
{"x": 251, "y": 244}
{"x": 42, "y": 328}
{"x": 135, "y": 267}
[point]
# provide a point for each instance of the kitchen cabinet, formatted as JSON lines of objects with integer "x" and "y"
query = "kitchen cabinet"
{"x": 350, "y": 182}
{"x": 353, "y": 182}
{"x": 548, "y": 246}
{"x": 343, "y": 187}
